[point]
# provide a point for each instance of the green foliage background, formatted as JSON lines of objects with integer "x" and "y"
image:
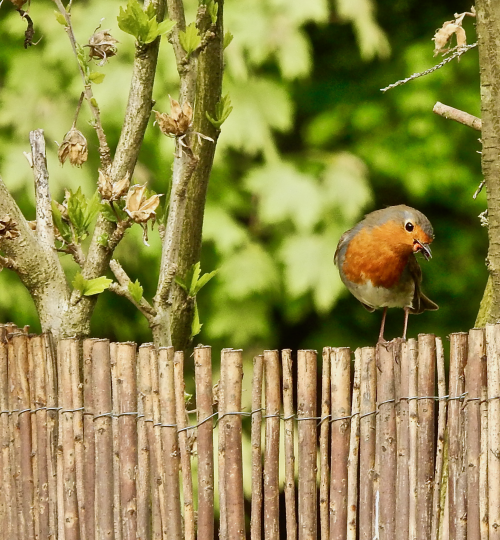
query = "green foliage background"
{"x": 310, "y": 146}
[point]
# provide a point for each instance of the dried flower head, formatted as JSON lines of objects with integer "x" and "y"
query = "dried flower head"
{"x": 8, "y": 228}
{"x": 112, "y": 191}
{"x": 74, "y": 146}
{"x": 102, "y": 46}
{"x": 178, "y": 121}
{"x": 443, "y": 35}
{"x": 138, "y": 207}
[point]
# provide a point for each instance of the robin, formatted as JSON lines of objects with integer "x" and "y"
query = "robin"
{"x": 377, "y": 263}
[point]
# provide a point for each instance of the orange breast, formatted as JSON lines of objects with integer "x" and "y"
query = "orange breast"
{"x": 379, "y": 255}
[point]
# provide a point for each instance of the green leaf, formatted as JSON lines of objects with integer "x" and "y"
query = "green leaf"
{"x": 205, "y": 278}
{"x": 132, "y": 20}
{"x": 81, "y": 212}
{"x": 108, "y": 213}
{"x": 195, "y": 324}
{"x": 142, "y": 24}
{"x": 165, "y": 27}
{"x": 96, "y": 77}
{"x": 63, "y": 227}
{"x": 190, "y": 39}
{"x": 212, "y": 9}
{"x": 93, "y": 101}
{"x": 82, "y": 59}
{"x": 60, "y": 18}
{"x": 135, "y": 290}
{"x": 228, "y": 37}
{"x": 89, "y": 287}
{"x": 103, "y": 240}
{"x": 222, "y": 111}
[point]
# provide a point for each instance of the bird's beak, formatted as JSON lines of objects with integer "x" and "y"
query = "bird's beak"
{"x": 423, "y": 248}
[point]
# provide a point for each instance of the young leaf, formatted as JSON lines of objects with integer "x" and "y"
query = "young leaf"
{"x": 205, "y": 278}
{"x": 228, "y": 37}
{"x": 103, "y": 240}
{"x": 135, "y": 290}
{"x": 96, "y": 77}
{"x": 81, "y": 212}
{"x": 63, "y": 228}
{"x": 60, "y": 18}
{"x": 195, "y": 324}
{"x": 195, "y": 274}
{"x": 108, "y": 213}
{"x": 190, "y": 39}
{"x": 165, "y": 26}
{"x": 222, "y": 111}
{"x": 212, "y": 8}
{"x": 142, "y": 24}
{"x": 89, "y": 287}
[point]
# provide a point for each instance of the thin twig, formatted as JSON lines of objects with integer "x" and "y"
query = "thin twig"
{"x": 104, "y": 150}
{"x": 456, "y": 54}
{"x": 450, "y": 113}
{"x": 121, "y": 288}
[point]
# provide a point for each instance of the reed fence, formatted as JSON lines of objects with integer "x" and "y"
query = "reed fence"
{"x": 97, "y": 442}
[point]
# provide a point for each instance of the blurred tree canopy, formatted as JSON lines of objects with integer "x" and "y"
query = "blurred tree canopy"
{"x": 310, "y": 146}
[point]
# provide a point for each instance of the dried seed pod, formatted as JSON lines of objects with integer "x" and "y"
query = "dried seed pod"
{"x": 102, "y": 46}
{"x": 8, "y": 228}
{"x": 138, "y": 207}
{"x": 112, "y": 191}
{"x": 178, "y": 121}
{"x": 74, "y": 146}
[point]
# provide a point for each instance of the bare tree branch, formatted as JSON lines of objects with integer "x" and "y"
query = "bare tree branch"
{"x": 44, "y": 223}
{"x": 121, "y": 288}
{"x": 450, "y": 113}
{"x": 456, "y": 54}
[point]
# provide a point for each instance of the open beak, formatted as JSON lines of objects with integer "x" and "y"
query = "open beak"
{"x": 423, "y": 248}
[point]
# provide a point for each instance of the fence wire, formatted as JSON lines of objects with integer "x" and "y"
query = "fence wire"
{"x": 320, "y": 419}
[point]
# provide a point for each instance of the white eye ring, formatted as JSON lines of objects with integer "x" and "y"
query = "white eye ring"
{"x": 409, "y": 226}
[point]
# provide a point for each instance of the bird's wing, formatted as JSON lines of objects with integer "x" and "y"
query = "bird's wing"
{"x": 342, "y": 242}
{"x": 420, "y": 301}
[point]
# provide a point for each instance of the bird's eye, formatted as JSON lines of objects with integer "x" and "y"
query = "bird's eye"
{"x": 409, "y": 226}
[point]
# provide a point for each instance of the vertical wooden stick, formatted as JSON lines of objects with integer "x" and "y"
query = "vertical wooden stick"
{"x": 234, "y": 458}
{"x": 187, "y": 481}
{"x": 7, "y": 466}
{"x": 127, "y": 443}
{"x": 403, "y": 450}
{"x": 204, "y": 408}
{"x": 457, "y": 477}
{"x": 115, "y": 398}
{"x": 159, "y": 488}
{"x": 170, "y": 443}
{"x": 40, "y": 416}
{"x": 341, "y": 410}
{"x": 368, "y": 386}
{"x": 412, "y": 352}
{"x": 425, "y": 475}
{"x": 271, "y": 452}
{"x": 307, "y": 458}
{"x": 52, "y": 432}
{"x": 493, "y": 360}
{"x": 145, "y": 392}
{"x": 88, "y": 440}
{"x": 101, "y": 376}
{"x": 475, "y": 380}
{"x": 386, "y": 442}
{"x": 65, "y": 350}
{"x": 256, "y": 442}
{"x": 441, "y": 434}
{"x": 35, "y": 453}
{"x": 324, "y": 444}
{"x": 483, "y": 467}
{"x": 23, "y": 433}
{"x": 222, "y": 448}
{"x": 352, "y": 464}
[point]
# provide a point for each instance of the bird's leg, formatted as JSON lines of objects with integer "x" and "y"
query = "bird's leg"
{"x": 407, "y": 311}
{"x": 382, "y": 326}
